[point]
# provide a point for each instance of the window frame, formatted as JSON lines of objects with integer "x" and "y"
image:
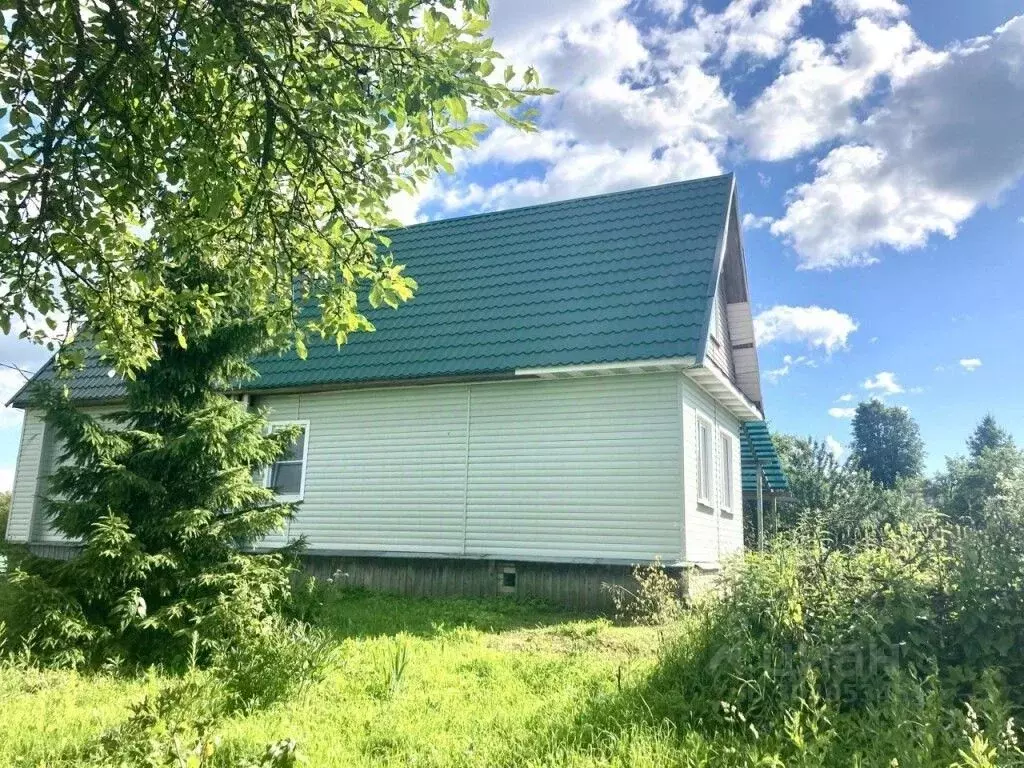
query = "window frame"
{"x": 705, "y": 462}
{"x": 726, "y": 485}
{"x": 290, "y": 497}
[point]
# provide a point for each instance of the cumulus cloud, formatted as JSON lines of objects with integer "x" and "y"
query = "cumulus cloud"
{"x": 750, "y": 221}
{"x": 813, "y": 100}
{"x": 851, "y": 9}
{"x": 6, "y": 480}
{"x": 756, "y": 28}
{"x": 789, "y": 362}
{"x": 913, "y": 168}
{"x": 623, "y": 116}
{"x": 842, "y": 413}
{"x": 970, "y": 364}
{"x": 883, "y": 383}
{"x": 10, "y": 382}
{"x": 637, "y": 103}
{"x": 645, "y": 96}
{"x": 847, "y": 398}
{"x": 836, "y": 448}
{"x": 816, "y": 327}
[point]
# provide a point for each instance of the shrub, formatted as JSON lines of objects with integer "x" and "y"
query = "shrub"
{"x": 851, "y": 617}
{"x": 655, "y": 599}
{"x": 924, "y": 600}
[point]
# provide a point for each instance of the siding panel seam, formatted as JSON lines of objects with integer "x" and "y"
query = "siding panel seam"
{"x": 465, "y": 480}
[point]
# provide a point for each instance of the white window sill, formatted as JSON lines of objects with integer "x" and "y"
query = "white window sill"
{"x": 726, "y": 512}
{"x": 705, "y": 506}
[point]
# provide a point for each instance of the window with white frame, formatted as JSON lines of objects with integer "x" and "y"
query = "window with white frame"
{"x": 287, "y": 476}
{"x": 725, "y": 478}
{"x": 704, "y": 457}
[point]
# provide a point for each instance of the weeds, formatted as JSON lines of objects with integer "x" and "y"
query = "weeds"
{"x": 271, "y": 663}
{"x": 394, "y": 671}
{"x": 655, "y": 598}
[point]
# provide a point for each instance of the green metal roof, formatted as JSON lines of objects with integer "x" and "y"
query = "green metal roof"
{"x": 616, "y": 277}
{"x": 756, "y": 448}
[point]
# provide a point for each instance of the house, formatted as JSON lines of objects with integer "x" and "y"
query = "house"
{"x": 566, "y": 396}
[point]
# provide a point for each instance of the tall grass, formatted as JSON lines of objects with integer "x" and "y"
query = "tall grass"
{"x": 492, "y": 683}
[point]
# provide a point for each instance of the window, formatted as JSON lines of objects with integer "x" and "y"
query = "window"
{"x": 704, "y": 466}
{"x": 287, "y": 476}
{"x": 726, "y": 479}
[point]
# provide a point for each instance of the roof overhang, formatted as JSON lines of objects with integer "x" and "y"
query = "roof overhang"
{"x": 604, "y": 369}
{"x": 718, "y": 385}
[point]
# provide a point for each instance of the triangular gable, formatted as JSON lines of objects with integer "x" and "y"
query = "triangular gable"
{"x": 728, "y": 340}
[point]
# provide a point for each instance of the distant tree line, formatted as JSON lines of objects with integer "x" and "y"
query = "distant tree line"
{"x": 882, "y": 482}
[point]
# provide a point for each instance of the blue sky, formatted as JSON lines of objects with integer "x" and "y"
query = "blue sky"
{"x": 879, "y": 148}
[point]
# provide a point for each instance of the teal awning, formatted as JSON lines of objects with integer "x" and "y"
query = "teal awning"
{"x": 757, "y": 450}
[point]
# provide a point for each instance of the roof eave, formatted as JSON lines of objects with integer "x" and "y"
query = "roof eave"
{"x": 718, "y": 385}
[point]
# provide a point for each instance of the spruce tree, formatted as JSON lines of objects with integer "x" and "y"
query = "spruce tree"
{"x": 988, "y": 435}
{"x": 163, "y": 498}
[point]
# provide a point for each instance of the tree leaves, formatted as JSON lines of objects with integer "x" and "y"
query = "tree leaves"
{"x": 263, "y": 151}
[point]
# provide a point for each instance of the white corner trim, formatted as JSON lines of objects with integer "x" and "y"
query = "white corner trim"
{"x": 603, "y": 369}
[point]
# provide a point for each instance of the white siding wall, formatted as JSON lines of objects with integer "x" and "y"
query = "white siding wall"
{"x": 24, "y": 494}
{"x": 720, "y": 343}
{"x": 600, "y": 468}
{"x": 386, "y": 470}
{"x": 710, "y": 534}
{"x": 583, "y": 468}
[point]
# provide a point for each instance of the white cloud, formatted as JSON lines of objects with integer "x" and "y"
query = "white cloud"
{"x": 10, "y": 382}
{"x": 406, "y": 207}
{"x": 750, "y": 221}
{"x": 788, "y": 364}
{"x": 636, "y": 105}
{"x": 860, "y": 200}
{"x": 884, "y": 383}
{"x": 970, "y": 364}
{"x": 850, "y": 9}
{"x": 842, "y": 413}
{"x": 516, "y": 23}
{"x": 817, "y": 327}
{"x": 913, "y": 169}
{"x": 758, "y": 29}
{"x": 847, "y": 398}
{"x": 813, "y": 100}
{"x": 621, "y": 119}
{"x": 673, "y": 9}
{"x": 836, "y": 448}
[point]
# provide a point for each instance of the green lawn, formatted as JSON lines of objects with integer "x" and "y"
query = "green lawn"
{"x": 418, "y": 682}
{"x": 484, "y": 683}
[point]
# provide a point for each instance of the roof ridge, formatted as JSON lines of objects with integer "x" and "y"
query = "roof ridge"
{"x": 566, "y": 201}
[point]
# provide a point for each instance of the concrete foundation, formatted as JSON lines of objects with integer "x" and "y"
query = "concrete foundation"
{"x": 578, "y": 586}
